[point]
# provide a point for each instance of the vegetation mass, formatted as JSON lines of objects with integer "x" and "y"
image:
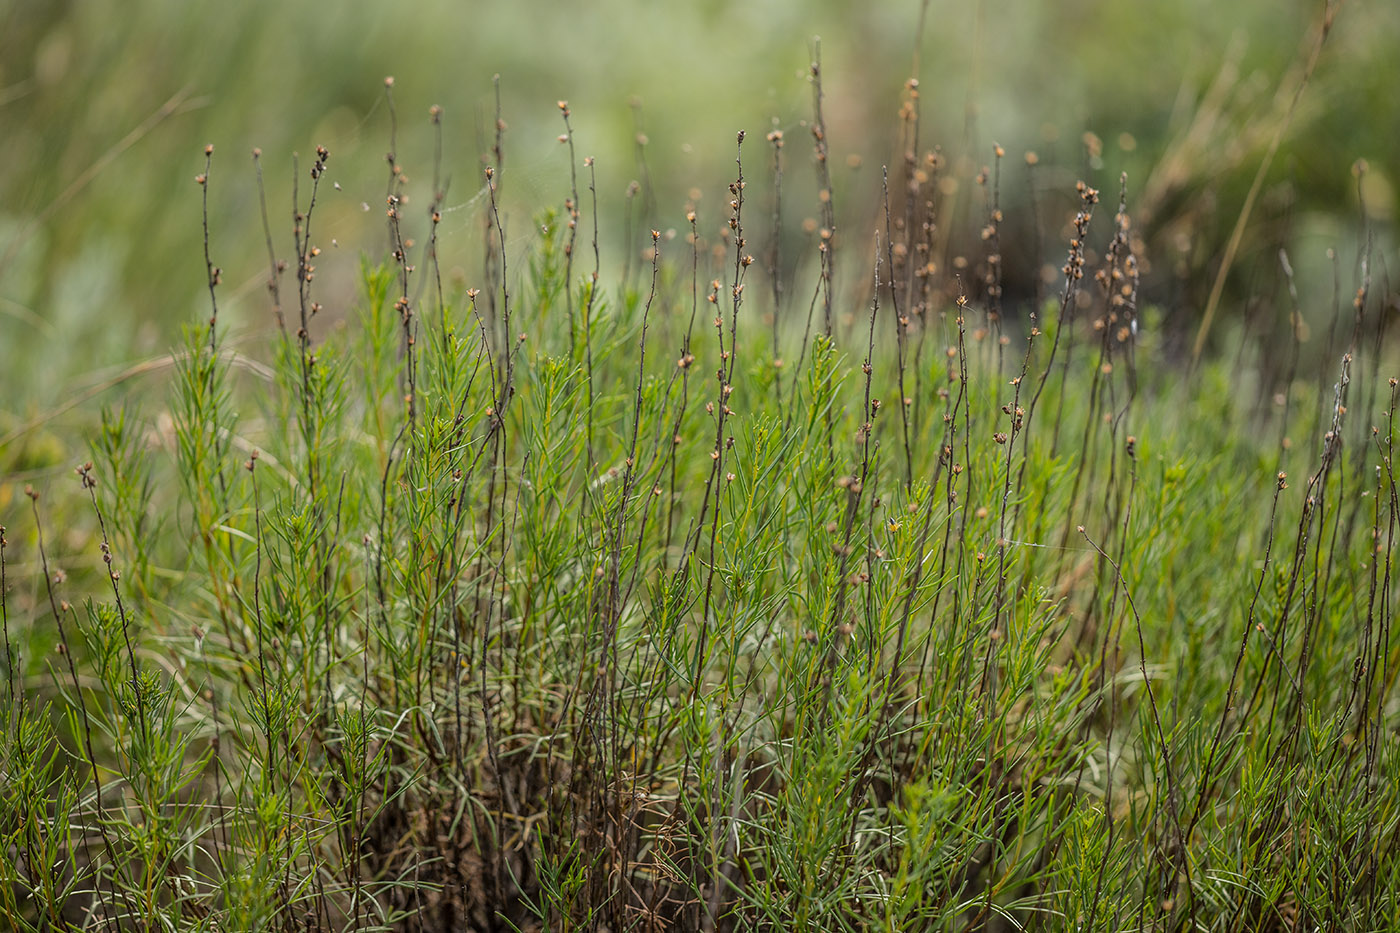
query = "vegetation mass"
{"x": 777, "y": 581}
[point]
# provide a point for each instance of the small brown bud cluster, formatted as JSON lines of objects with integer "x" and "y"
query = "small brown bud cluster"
{"x": 849, "y": 483}
{"x": 736, "y": 207}
{"x": 1073, "y": 268}
{"x": 1118, "y": 282}
{"x": 991, "y": 235}
{"x": 1018, "y": 414}
{"x": 318, "y": 168}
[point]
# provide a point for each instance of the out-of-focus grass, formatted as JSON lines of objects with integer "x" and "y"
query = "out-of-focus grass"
{"x": 97, "y": 210}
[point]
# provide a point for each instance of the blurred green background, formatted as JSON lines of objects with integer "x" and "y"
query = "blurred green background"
{"x": 105, "y": 109}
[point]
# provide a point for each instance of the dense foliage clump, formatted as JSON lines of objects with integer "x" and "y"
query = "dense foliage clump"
{"x": 751, "y": 591}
